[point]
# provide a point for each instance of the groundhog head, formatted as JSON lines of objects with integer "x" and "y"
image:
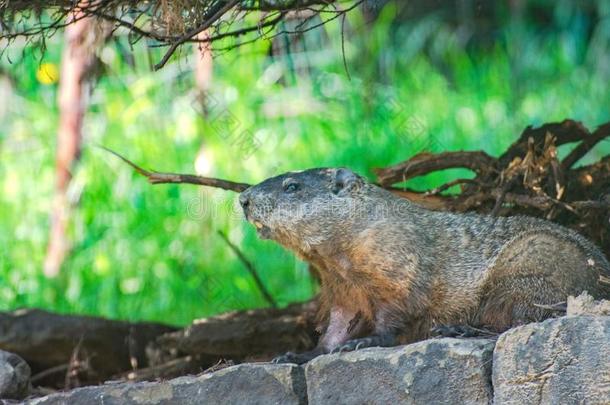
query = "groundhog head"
{"x": 302, "y": 209}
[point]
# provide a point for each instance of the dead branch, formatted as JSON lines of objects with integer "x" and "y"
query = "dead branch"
{"x": 62, "y": 368}
{"x": 168, "y": 24}
{"x": 216, "y": 11}
{"x": 528, "y": 179}
{"x": 603, "y": 131}
{"x": 261, "y": 333}
{"x": 170, "y": 369}
{"x": 448, "y": 185}
{"x": 251, "y": 269}
{"x": 422, "y": 163}
{"x": 155, "y": 177}
{"x": 501, "y": 196}
{"x": 567, "y": 131}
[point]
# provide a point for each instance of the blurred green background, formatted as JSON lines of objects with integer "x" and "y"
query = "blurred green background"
{"x": 143, "y": 252}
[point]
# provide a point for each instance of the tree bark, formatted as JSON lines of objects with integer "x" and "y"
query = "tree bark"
{"x": 78, "y": 58}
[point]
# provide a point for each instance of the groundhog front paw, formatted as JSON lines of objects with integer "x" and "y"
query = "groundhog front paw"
{"x": 362, "y": 343}
{"x": 288, "y": 357}
{"x": 296, "y": 358}
{"x": 464, "y": 331}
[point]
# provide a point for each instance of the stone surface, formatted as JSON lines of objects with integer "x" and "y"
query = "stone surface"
{"x": 243, "y": 384}
{"x": 436, "y": 371}
{"x": 558, "y": 361}
{"x": 14, "y": 376}
{"x": 585, "y": 305}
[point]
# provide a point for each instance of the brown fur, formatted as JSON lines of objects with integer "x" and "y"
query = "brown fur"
{"x": 388, "y": 266}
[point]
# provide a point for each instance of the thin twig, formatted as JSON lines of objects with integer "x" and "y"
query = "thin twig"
{"x": 76, "y": 365}
{"x": 215, "y": 14}
{"x": 603, "y": 131}
{"x": 448, "y": 185}
{"x": 423, "y": 163}
{"x": 251, "y": 269}
{"x": 349, "y": 78}
{"x": 162, "y": 178}
{"x": 50, "y": 371}
{"x": 501, "y": 196}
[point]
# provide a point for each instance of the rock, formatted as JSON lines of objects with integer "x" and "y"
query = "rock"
{"x": 14, "y": 376}
{"x": 243, "y": 384}
{"x": 585, "y": 305}
{"x": 558, "y": 361}
{"x": 436, "y": 371}
{"x": 46, "y": 340}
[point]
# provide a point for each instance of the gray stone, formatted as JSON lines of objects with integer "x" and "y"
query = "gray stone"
{"x": 14, "y": 376}
{"x": 558, "y": 361}
{"x": 584, "y": 304}
{"x": 436, "y": 371}
{"x": 243, "y": 384}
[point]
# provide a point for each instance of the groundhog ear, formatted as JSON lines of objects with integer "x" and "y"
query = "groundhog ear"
{"x": 344, "y": 180}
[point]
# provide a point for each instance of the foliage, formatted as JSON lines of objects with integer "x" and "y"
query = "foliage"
{"x": 144, "y": 252}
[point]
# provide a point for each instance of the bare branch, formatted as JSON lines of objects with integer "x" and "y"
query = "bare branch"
{"x": 212, "y": 16}
{"x": 422, "y": 163}
{"x": 251, "y": 269}
{"x": 603, "y": 131}
{"x": 166, "y": 23}
{"x": 161, "y": 178}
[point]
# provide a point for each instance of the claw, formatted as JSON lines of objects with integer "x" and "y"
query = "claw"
{"x": 285, "y": 358}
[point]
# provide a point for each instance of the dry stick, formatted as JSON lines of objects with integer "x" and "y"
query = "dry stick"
{"x": 158, "y": 178}
{"x": 423, "y": 163}
{"x": 49, "y": 371}
{"x": 168, "y": 369}
{"x": 161, "y": 178}
{"x": 250, "y": 267}
{"x": 566, "y": 131}
{"x": 603, "y": 131}
{"x": 213, "y": 15}
{"x": 75, "y": 365}
{"x": 501, "y": 196}
{"x": 448, "y": 185}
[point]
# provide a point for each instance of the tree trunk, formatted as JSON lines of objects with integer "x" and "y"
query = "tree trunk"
{"x": 78, "y": 58}
{"x": 203, "y": 65}
{"x": 203, "y": 81}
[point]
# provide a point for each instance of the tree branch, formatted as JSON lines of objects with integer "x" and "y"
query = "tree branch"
{"x": 211, "y": 17}
{"x": 603, "y": 131}
{"x": 251, "y": 269}
{"x": 422, "y": 163}
{"x": 37, "y": 20}
{"x": 161, "y": 178}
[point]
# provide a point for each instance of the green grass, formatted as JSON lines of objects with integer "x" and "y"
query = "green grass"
{"x": 143, "y": 252}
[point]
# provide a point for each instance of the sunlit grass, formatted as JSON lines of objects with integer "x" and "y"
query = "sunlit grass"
{"x": 144, "y": 252}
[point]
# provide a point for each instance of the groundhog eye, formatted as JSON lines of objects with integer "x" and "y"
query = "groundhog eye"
{"x": 291, "y": 187}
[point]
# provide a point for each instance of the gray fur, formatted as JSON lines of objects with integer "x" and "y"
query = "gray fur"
{"x": 445, "y": 268}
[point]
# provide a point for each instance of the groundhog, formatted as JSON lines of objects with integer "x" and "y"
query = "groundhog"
{"x": 390, "y": 270}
